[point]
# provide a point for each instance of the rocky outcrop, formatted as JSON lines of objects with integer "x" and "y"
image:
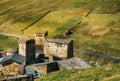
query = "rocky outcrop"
{"x": 73, "y": 63}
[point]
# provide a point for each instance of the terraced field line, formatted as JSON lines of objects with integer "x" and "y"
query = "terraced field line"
{"x": 75, "y": 26}
{"x": 11, "y": 8}
{"x": 44, "y": 9}
{"x": 35, "y": 21}
{"x": 41, "y": 16}
{"x": 89, "y": 13}
{"x": 72, "y": 28}
{"x": 7, "y": 11}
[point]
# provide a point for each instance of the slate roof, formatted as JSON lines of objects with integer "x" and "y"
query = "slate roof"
{"x": 61, "y": 41}
{"x": 12, "y": 58}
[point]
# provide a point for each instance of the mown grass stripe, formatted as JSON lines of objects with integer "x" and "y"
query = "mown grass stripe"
{"x": 35, "y": 21}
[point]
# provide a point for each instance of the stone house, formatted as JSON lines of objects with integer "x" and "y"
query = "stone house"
{"x": 20, "y": 78}
{"x": 11, "y": 51}
{"x": 39, "y": 41}
{"x": 58, "y": 48}
{"x": 54, "y": 49}
{"x": 27, "y": 49}
{"x": 12, "y": 65}
{"x": 2, "y": 53}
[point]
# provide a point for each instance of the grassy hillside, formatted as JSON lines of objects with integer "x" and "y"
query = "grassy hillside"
{"x": 104, "y": 73}
{"x": 97, "y": 32}
{"x": 57, "y": 22}
{"x": 7, "y": 42}
{"x": 22, "y": 15}
{"x": 17, "y": 15}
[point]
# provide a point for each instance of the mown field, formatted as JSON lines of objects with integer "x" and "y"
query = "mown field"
{"x": 7, "y": 42}
{"x": 57, "y": 22}
{"x": 97, "y": 32}
{"x": 104, "y": 73}
{"x": 17, "y": 15}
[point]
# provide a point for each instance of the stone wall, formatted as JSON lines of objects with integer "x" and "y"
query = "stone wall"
{"x": 27, "y": 49}
{"x": 39, "y": 41}
{"x": 11, "y": 70}
{"x": 70, "y": 50}
{"x": 30, "y": 52}
{"x": 59, "y": 50}
{"x": 43, "y": 68}
{"x": 20, "y": 78}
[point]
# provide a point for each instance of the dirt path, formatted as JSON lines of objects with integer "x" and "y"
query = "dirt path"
{"x": 12, "y": 35}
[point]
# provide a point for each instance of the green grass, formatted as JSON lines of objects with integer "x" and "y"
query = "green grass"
{"x": 17, "y": 15}
{"x": 7, "y": 42}
{"x": 57, "y": 22}
{"x": 99, "y": 33}
{"x": 96, "y": 32}
{"x": 97, "y": 5}
{"x": 1, "y": 76}
{"x": 104, "y": 73}
{"x": 22, "y": 16}
{"x": 113, "y": 78}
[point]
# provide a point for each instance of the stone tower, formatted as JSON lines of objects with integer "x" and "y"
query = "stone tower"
{"x": 59, "y": 48}
{"x": 27, "y": 49}
{"x": 39, "y": 41}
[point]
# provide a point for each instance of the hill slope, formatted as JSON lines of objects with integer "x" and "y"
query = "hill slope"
{"x": 17, "y": 15}
{"x": 93, "y": 24}
{"x": 97, "y": 31}
{"x": 104, "y": 73}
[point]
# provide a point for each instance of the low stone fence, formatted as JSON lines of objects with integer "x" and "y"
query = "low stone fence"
{"x": 43, "y": 68}
{"x": 20, "y": 78}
